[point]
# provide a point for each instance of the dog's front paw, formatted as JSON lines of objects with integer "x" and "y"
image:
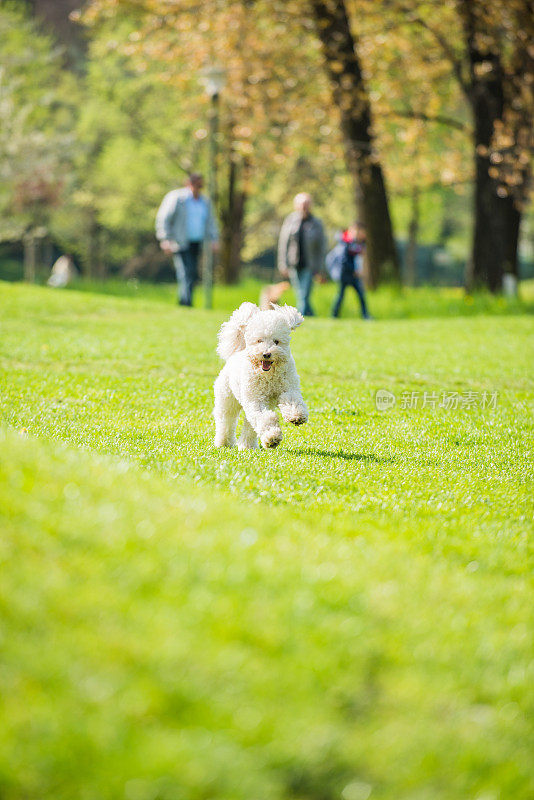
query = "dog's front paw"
{"x": 271, "y": 437}
{"x": 296, "y": 415}
{"x": 247, "y": 444}
{"x": 224, "y": 441}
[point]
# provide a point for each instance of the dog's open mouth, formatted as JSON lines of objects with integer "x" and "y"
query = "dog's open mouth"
{"x": 266, "y": 365}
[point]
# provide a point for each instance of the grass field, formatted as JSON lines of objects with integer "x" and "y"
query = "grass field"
{"x": 388, "y": 302}
{"x": 348, "y": 616}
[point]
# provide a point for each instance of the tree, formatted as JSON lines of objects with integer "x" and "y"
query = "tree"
{"x": 272, "y": 116}
{"x": 36, "y": 142}
{"x": 54, "y": 17}
{"x": 421, "y": 124}
{"x": 493, "y": 67}
{"x": 485, "y": 91}
{"x": 352, "y": 100}
{"x": 512, "y": 142}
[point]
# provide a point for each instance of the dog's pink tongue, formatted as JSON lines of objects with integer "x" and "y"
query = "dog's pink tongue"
{"x": 266, "y": 365}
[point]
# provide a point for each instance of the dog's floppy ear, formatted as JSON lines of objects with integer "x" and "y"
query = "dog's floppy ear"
{"x": 231, "y": 334}
{"x": 242, "y": 314}
{"x": 293, "y": 317}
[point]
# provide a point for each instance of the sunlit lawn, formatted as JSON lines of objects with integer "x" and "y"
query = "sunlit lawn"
{"x": 387, "y": 302}
{"x": 347, "y": 616}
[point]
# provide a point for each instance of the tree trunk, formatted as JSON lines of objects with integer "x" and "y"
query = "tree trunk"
{"x": 93, "y": 262}
{"x": 100, "y": 260}
{"x": 490, "y": 228}
{"x": 232, "y": 218}
{"x": 90, "y": 257}
{"x": 511, "y": 242}
{"x": 54, "y": 16}
{"x": 519, "y": 124}
{"x": 351, "y": 98}
{"x": 486, "y": 95}
{"x": 411, "y": 249}
{"x": 47, "y": 254}
{"x": 381, "y": 249}
{"x": 30, "y": 257}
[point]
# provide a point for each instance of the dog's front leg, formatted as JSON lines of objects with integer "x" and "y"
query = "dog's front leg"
{"x": 293, "y": 408}
{"x": 264, "y": 422}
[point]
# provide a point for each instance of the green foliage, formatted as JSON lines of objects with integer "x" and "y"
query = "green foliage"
{"x": 28, "y": 56}
{"x": 90, "y": 156}
{"x": 346, "y": 616}
{"x": 36, "y": 119}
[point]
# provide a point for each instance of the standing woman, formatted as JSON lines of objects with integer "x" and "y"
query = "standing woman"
{"x": 302, "y": 250}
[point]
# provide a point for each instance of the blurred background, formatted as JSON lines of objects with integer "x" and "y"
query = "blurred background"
{"x": 414, "y": 116}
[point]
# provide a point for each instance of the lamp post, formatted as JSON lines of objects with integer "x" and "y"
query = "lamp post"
{"x": 213, "y": 79}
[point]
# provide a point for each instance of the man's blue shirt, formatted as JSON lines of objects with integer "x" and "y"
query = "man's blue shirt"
{"x": 197, "y": 216}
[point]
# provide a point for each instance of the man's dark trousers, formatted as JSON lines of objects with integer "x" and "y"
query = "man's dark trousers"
{"x": 186, "y": 266}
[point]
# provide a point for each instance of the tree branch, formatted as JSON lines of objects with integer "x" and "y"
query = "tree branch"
{"x": 440, "y": 119}
{"x": 456, "y": 63}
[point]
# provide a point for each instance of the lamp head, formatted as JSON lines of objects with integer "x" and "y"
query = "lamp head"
{"x": 213, "y": 79}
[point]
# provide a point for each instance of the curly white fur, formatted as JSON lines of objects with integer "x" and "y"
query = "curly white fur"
{"x": 259, "y": 375}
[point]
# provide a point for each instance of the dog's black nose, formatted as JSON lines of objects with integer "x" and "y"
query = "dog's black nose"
{"x": 266, "y": 355}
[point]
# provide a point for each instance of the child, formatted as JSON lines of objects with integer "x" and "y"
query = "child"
{"x": 352, "y": 267}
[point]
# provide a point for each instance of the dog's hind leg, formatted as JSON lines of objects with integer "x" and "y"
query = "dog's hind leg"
{"x": 226, "y": 412}
{"x": 248, "y": 439}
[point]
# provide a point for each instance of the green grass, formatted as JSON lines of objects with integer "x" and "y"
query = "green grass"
{"x": 388, "y": 302}
{"x": 347, "y": 616}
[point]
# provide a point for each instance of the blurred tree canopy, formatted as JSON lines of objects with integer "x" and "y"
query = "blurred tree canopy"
{"x": 37, "y": 141}
{"x": 387, "y": 111}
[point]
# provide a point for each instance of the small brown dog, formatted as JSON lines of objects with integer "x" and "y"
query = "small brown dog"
{"x": 272, "y": 294}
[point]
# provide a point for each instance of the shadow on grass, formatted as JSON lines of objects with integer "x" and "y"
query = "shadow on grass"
{"x": 368, "y": 457}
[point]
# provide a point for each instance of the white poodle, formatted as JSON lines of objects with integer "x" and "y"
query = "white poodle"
{"x": 259, "y": 375}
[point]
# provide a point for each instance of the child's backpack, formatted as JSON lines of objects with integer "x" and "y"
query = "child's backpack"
{"x": 334, "y": 261}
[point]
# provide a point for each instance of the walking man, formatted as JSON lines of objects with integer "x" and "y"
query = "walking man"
{"x": 184, "y": 221}
{"x": 302, "y": 250}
